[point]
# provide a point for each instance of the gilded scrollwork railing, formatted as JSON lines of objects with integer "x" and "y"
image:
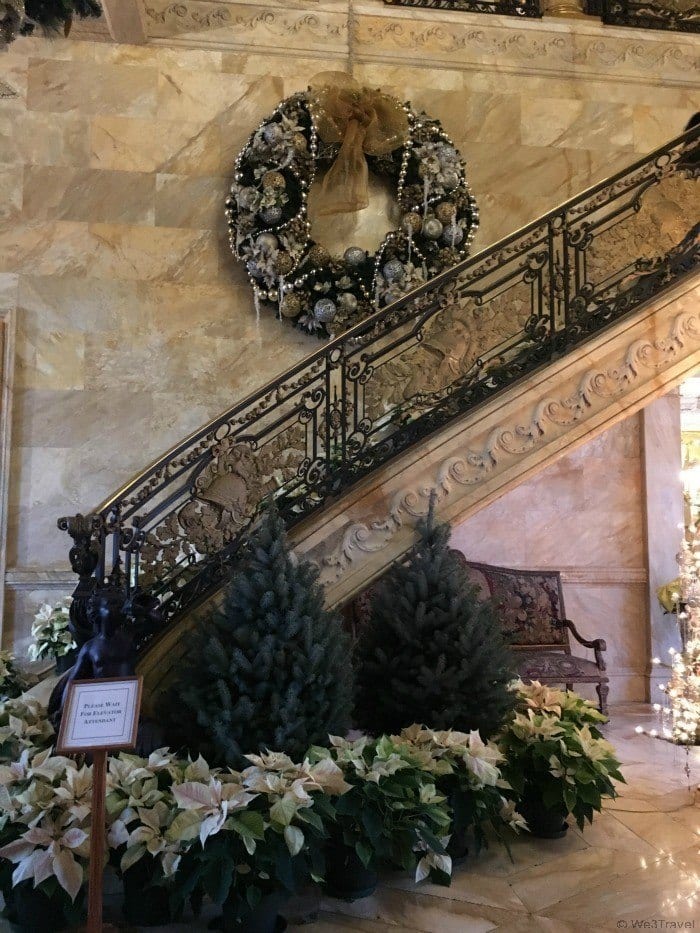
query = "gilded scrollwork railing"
{"x": 172, "y": 533}
{"x": 676, "y": 15}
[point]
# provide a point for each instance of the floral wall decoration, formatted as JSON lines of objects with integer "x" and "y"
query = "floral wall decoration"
{"x": 349, "y": 130}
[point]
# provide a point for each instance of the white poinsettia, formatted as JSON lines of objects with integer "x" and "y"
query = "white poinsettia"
{"x": 51, "y": 848}
{"x": 150, "y": 836}
{"x": 51, "y": 632}
{"x": 75, "y": 793}
{"x": 534, "y": 726}
{"x": 541, "y": 697}
{"x": 510, "y": 815}
{"x": 432, "y": 859}
{"x": 559, "y": 770}
{"x": 206, "y": 807}
{"x": 594, "y": 748}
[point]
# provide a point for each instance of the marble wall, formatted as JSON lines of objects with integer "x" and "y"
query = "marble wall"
{"x": 133, "y": 323}
{"x": 587, "y": 516}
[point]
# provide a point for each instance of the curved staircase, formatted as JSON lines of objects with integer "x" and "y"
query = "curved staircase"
{"x": 468, "y": 385}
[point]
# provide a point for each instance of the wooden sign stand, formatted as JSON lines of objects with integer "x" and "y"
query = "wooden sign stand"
{"x": 99, "y": 716}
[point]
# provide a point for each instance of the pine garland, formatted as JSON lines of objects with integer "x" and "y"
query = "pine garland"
{"x": 52, "y": 16}
{"x": 271, "y": 669}
{"x": 432, "y": 652}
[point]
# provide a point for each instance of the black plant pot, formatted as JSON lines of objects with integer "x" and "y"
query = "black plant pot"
{"x": 543, "y": 822}
{"x": 346, "y": 876}
{"x": 458, "y": 847}
{"x": 144, "y": 905}
{"x": 30, "y": 910}
{"x": 264, "y": 919}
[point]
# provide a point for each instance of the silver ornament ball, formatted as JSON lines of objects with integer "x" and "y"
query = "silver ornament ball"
{"x": 393, "y": 270}
{"x": 432, "y": 228}
{"x": 348, "y": 301}
{"x": 271, "y": 215}
{"x": 450, "y": 179}
{"x": 267, "y": 241}
{"x": 452, "y": 235}
{"x": 354, "y": 255}
{"x": 325, "y": 310}
{"x": 254, "y": 269}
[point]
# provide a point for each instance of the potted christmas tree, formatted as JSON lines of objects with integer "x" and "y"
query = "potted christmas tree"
{"x": 271, "y": 669}
{"x": 431, "y": 651}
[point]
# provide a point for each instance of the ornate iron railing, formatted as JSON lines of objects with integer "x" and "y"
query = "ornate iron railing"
{"x": 678, "y": 15}
{"x": 366, "y": 396}
{"x": 531, "y": 8}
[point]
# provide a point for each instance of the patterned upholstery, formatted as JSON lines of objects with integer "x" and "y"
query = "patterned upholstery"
{"x": 529, "y": 604}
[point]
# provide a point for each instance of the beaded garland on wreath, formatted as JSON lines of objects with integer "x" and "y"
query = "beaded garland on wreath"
{"x": 269, "y": 228}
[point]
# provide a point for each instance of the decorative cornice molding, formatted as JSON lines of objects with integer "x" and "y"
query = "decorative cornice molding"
{"x": 551, "y": 417}
{"x": 438, "y": 38}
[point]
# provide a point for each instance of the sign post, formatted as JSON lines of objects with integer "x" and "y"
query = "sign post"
{"x": 99, "y": 716}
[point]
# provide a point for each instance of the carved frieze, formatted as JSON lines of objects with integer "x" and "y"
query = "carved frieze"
{"x": 437, "y": 36}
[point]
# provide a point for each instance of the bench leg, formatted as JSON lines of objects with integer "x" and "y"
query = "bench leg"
{"x": 602, "y": 690}
{"x": 569, "y": 687}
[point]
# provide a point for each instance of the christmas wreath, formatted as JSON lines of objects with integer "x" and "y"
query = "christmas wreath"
{"x": 349, "y": 130}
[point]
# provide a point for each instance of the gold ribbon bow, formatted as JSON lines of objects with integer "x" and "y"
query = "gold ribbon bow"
{"x": 365, "y": 122}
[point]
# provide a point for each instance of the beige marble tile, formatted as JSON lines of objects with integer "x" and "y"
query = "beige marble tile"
{"x": 653, "y": 126}
{"x": 30, "y": 138}
{"x": 136, "y": 145}
{"x": 608, "y": 832}
{"x": 76, "y": 303}
{"x": 576, "y": 124}
{"x": 544, "y": 885}
{"x": 109, "y": 251}
{"x": 89, "y": 195}
{"x": 203, "y": 96}
{"x": 424, "y": 912}
{"x": 661, "y": 830}
{"x": 194, "y": 202}
{"x": 49, "y": 360}
{"x": 11, "y": 186}
{"x": 59, "y": 86}
{"x": 466, "y": 886}
{"x": 660, "y": 888}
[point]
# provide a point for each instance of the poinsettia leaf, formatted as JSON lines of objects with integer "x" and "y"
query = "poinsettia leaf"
{"x": 294, "y": 838}
{"x": 132, "y": 855}
{"x": 68, "y": 872}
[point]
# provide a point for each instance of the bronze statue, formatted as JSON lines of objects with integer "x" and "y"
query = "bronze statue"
{"x": 110, "y": 652}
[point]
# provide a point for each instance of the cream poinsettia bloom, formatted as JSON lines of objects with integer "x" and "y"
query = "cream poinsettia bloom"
{"x": 593, "y": 748}
{"x": 49, "y": 849}
{"x": 150, "y": 836}
{"x": 541, "y": 697}
{"x": 206, "y": 808}
{"x": 534, "y": 726}
{"x": 511, "y": 817}
{"x": 431, "y": 860}
{"x": 558, "y": 770}
{"x": 75, "y": 793}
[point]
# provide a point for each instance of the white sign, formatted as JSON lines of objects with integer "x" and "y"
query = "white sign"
{"x": 100, "y": 714}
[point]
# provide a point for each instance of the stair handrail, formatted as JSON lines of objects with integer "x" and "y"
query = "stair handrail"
{"x": 172, "y": 531}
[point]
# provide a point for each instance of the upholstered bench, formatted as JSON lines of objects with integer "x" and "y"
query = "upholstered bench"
{"x": 530, "y": 606}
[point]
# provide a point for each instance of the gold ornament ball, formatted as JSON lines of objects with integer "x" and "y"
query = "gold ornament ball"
{"x": 412, "y": 220}
{"x": 319, "y": 255}
{"x": 273, "y": 180}
{"x": 299, "y": 142}
{"x": 284, "y": 264}
{"x": 445, "y": 212}
{"x": 291, "y": 306}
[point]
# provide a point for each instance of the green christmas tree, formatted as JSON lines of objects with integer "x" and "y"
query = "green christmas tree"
{"x": 431, "y": 652}
{"x": 272, "y": 669}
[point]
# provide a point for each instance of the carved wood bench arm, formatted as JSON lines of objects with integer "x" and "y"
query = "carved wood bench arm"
{"x": 597, "y": 645}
